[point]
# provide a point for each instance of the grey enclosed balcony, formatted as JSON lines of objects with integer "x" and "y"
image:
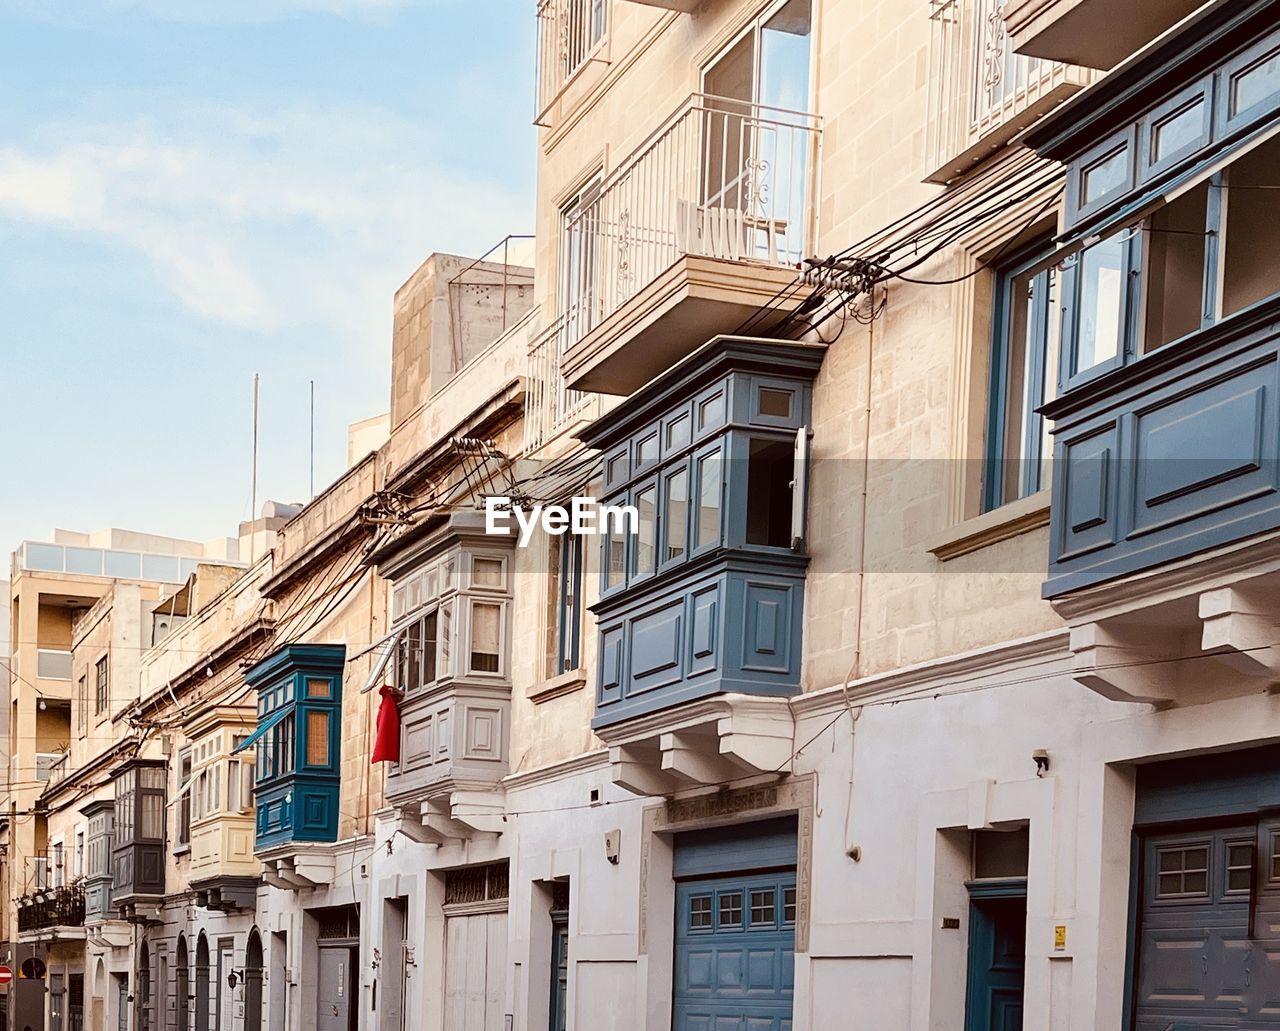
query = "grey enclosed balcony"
{"x": 705, "y": 223}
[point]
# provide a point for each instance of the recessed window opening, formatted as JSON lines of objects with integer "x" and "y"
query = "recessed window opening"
{"x": 1001, "y": 854}
{"x": 770, "y": 466}
{"x": 1175, "y": 243}
{"x": 1253, "y": 228}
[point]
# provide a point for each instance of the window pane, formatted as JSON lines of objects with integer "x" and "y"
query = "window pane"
{"x": 317, "y": 738}
{"x": 1253, "y": 229}
{"x": 647, "y": 452}
{"x": 699, "y": 911}
{"x": 677, "y": 514}
{"x": 1105, "y": 176}
{"x": 615, "y": 553}
{"x": 1177, "y": 131}
{"x": 429, "y": 646}
{"x": 776, "y": 403}
{"x": 647, "y": 507}
{"x": 319, "y": 688}
{"x": 1175, "y": 269}
{"x": 411, "y": 643}
{"x": 486, "y": 636}
{"x": 731, "y": 909}
{"x": 1101, "y": 303}
{"x": 1024, "y": 372}
{"x": 708, "y": 526}
{"x": 152, "y": 828}
{"x": 1256, "y": 83}
{"x": 678, "y": 433}
{"x": 152, "y": 777}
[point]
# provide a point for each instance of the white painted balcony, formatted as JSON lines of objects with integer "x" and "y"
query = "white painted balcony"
{"x": 705, "y": 223}
{"x": 571, "y": 34}
{"x": 549, "y": 405}
{"x": 981, "y": 92}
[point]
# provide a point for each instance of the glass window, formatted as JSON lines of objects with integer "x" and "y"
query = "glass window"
{"x": 1252, "y": 229}
{"x": 317, "y": 737}
{"x": 731, "y": 909}
{"x": 708, "y": 524}
{"x": 676, "y": 511}
{"x": 711, "y": 411}
{"x": 152, "y": 826}
{"x": 1024, "y": 359}
{"x": 1105, "y": 176}
{"x": 699, "y": 911}
{"x": 429, "y": 645}
{"x": 647, "y": 451}
{"x": 1177, "y": 131}
{"x": 319, "y": 687}
{"x": 615, "y": 553}
{"x": 1239, "y": 866}
{"x": 566, "y": 622}
{"x": 1183, "y": 871}
{"x": 763, "y": 906}
{"x": 100, "y": 686}
{"x": 1257, "y": 83}
{"x": 446, "y": 639}
{"x": 776, "y": 403}
{"x": 1102, "y": 295}
{"x": 647, "y": 509}
{"x": 789, "y": 905}
{"x": 1174, "y": 272}
{"x": 678, "y": 433}
{"x": 486, "y": 636}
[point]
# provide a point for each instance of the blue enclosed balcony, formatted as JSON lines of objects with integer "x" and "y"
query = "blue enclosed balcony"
{"x": 705, "y": 598}
{"x": 298, "y": 745}
{"x": 1166, "y": 424}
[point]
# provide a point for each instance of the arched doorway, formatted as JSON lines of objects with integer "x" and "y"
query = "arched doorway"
{"x": 144, "y": 988}
{"x": 182, "y": 985}
{"x": 253, "y": 983}
{"x": 202, "y": 983}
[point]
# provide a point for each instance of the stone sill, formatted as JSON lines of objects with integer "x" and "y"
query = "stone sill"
{"x": 1000, "y": 524}
{"x": 566, "y": 683}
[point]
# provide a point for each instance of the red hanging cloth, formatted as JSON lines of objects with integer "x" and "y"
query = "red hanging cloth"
{"x": 386, "y": 746}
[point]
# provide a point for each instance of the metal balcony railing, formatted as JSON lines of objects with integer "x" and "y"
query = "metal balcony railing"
{"x": 549, "y": 404}
{"x": 720, "y": 178}
{"x": 52, "y": 907}
{"x": 570, "y": 32}
{"x": 979, "y": 85}
{"x": 52, "y": 766}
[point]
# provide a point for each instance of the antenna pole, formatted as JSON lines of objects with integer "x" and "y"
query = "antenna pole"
{"x": 253, "y": 492}
{"x": 313, "y": 439}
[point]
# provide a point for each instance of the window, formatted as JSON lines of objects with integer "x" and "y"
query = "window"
{"x": 1182, "y": 871}
{"x": 82, "y": 704}
{"x": 647, "y": 512}
{"x": 770, "y": 464}
{"x": 1239, "y": 867}
{"x": 559, "y": 956}
{"x": 1101, "y": 305}
{"x": 763, "y": 907}
{"x": 486, "y": 637}
{"x": 566, "y": 618}
{"x": 579, "y": 260}
{"x": 100, "y": 689}
{"x": 675, "y": 512}
{"x": 183, "y": 834}
{"x": 699, "y": 912}
{"x": 317, "y": 738}
{"x": 709, "y": 477}
{"x": 584, "y": 23}
{"x": 1024, "y": 357}
{"x": 731, "y": 909}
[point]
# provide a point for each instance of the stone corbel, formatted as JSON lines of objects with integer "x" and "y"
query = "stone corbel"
{"x": 639, "y": 770}
{"x": 272, "y": 877}
{"x": 438, "y": 823}
{"x": 1240, "y": 630}
{"x": 482, "y": 811}
{"x": 693, "y": 756}
{"x": 1119, "y": 663}
{"x": 759, "y": 744}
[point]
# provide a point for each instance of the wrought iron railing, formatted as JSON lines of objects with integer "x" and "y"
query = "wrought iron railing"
{"x": 720, "y": 178}
{"x": 979, "y": 85}
{"x": 52, "y": 907}
{"x": 548, "y": 403}
{"x": 570, "y": 33}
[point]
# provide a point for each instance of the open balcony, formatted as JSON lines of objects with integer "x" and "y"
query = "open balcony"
{"x": 981, "y": 92}
{"x": 701, "y": 227}
{"x": 549, "y": 405}
{"x": 52, "y": 913}
{"x": 1092, "y": 33}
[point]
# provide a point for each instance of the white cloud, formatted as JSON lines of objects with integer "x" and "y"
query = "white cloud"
{"x": 304, "y": 218}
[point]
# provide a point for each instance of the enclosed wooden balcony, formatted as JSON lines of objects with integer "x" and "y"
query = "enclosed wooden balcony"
{"x": 699, "y": 229}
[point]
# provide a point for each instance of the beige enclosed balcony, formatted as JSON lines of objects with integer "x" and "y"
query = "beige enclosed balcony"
{"x": 982, "y": 93}
{"x": 1090, "y": 33}
{"x": 699, "y": 229}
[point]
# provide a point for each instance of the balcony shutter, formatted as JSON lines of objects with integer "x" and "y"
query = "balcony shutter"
{"x": 800, "y": 489}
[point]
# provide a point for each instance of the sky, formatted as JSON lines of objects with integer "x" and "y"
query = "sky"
{"x": 195, "y": 191}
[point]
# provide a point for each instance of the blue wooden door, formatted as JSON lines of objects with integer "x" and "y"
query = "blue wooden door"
{"x": 997, "y": 957}
{"x": 735, "y": 953}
